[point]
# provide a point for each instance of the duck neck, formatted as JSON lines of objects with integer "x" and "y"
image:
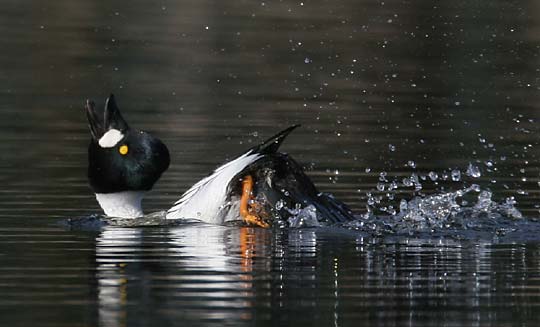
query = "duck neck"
{"x": 125, "y": 204}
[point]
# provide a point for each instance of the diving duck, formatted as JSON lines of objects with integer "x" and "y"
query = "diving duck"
{"x": 260, "y": 187}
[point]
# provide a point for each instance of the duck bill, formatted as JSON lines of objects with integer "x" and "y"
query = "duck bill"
{"x": 100, "y": 122}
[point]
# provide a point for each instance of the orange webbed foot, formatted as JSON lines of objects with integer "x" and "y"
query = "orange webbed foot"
{"x": 246, "y": 211}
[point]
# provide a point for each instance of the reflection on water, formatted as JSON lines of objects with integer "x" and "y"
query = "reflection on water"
{"x": 385, "y": 90}
{"x": 213, "y": 265}
{"x": 111, "y": 276}
{"x": 212, "y": 274}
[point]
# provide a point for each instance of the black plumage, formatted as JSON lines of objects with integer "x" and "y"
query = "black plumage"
{"x": 110, "y": 171}
{"x": 281, "y": 186}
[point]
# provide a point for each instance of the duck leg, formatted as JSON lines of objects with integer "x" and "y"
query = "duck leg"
{"x": 246, "y": 212}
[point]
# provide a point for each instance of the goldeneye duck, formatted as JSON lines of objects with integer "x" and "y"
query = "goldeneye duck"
{"x": 260, "y": 187}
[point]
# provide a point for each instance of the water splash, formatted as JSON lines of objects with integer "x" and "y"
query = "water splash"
{"x": 437, "y": 213}
{"x": 303, "y": 217}
{"x": 473, "y": 171}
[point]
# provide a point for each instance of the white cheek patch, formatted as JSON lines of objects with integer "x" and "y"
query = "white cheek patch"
{"x": 111, "y": 138}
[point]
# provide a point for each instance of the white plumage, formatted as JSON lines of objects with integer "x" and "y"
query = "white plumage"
{"x": 110, "y": 138}
{"x": 205, "y": 200}
{"x": 125, "y": 204}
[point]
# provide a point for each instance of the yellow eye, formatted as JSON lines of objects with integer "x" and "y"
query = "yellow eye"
{"x": 123, "y": 150}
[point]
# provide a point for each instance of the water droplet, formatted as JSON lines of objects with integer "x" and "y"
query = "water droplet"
{"x": 370, "y": 200}
{"x": 456, "y": 175}
{"x": 433, "y": 176}
{"x": 475, "y": 187}
{"x": 403, "y": 205}
{"x": 484, "y": 201}
{"x": 407, "y": 181}
{"x": 473, "y": 171}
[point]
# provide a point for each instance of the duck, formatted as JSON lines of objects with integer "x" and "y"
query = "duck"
{"x": 261, "y": 187}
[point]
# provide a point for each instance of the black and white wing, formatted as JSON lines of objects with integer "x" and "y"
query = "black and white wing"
{"x": 206, "y": 198}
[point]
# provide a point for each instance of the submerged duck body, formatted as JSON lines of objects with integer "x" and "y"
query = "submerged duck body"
{"x": 260, "y": 187}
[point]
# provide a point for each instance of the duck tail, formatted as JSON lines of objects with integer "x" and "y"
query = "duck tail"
{"x": 272, "y": 144}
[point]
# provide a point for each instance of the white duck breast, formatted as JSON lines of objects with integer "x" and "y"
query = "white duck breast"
{"x": 125, "y": 204}
{"x": 208, "y": 197}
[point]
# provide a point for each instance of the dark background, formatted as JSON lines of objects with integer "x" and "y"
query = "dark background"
{"x": 374, "y": 84}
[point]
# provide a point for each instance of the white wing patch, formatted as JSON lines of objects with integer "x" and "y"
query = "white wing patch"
{"x": 204, "y": 199}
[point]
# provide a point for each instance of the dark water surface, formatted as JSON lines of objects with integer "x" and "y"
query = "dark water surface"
{"x": 395, "y": 87}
